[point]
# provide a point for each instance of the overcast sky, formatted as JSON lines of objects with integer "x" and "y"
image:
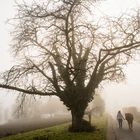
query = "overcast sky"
{"x": 116, "y": 95}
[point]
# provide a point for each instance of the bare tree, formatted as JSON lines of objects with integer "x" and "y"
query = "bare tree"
{"x": 60, "y": 52}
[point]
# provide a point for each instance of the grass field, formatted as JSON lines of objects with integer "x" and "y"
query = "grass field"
{"x": 60, "y": 133}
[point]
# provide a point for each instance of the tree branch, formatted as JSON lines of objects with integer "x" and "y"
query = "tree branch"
{"x": 31, "y": 92}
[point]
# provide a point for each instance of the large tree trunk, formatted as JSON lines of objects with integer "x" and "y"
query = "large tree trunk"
{"x": 76, "y": 119}
{"x": 78, "y": 123}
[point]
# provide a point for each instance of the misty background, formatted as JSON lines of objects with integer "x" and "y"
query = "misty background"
{"x": 116, "y": 95}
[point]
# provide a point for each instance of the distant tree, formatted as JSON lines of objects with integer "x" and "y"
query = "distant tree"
{"x": 61, "y": 52}
{"x": 98, "y": 105}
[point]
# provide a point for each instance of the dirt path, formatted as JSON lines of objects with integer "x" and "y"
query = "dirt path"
{"x": 114, "y": 133}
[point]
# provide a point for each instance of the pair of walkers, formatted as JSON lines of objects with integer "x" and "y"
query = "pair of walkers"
{"x": 128, "y": 117}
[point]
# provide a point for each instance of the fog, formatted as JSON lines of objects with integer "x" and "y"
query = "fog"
{"x": 126, "y": 93}
{"x": 35, "y": 108}
{"x": 116, "y": 95}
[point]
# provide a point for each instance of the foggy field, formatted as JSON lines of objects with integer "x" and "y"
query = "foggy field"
{"x": 24, "y": 125}
{"x": 60, "y": 132}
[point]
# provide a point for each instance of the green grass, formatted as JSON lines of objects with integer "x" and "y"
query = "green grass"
{"x": 60, "y": 132}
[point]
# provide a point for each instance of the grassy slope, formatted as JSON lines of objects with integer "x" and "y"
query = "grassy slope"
{"x": 60, "y": 133}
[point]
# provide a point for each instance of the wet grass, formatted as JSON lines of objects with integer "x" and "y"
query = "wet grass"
{"x": 60, "y": 132}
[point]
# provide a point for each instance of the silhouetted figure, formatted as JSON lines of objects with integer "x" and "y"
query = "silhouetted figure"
{"x": 129, "y": 117}
{"x": 120, "y": 118}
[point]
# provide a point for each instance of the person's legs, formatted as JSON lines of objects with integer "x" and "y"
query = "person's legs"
{"x": 120, "y": 123}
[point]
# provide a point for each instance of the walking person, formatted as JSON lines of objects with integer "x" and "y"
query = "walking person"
{"x": 120, "y": 118}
